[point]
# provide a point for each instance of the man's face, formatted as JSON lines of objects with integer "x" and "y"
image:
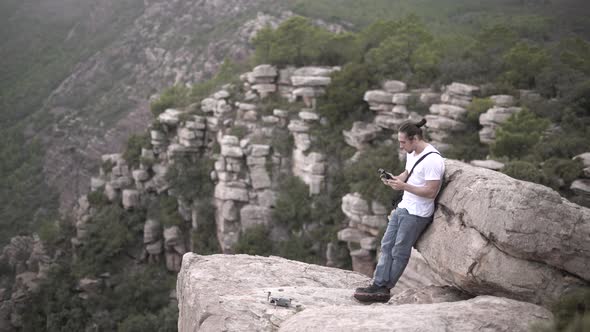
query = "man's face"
{"x": 405, "y": 143}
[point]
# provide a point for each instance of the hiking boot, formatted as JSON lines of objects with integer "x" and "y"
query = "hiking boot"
{"x": 372, "y": 294}
{"x": 373, "y": 289}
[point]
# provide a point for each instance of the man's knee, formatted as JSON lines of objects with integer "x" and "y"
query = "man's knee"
{"x": 401, "y": 253}
{"x": 386, "y": 246}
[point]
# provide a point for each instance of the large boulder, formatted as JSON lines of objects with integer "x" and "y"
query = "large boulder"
{"x": 493, "y": 234}
{"x": 361, "y": 134}
{"x": 170, "y": 117}
{"x": 314, "y": 71}
{"x": 449, "y": 111}
{"x": 461, "y": 89}
{"x": 220, "y": 292}
{"x": 485, "y": 313}
{"x": 378, "y": 96}
{"x": 230, "y": 293}
{"x": 394, "y": 86}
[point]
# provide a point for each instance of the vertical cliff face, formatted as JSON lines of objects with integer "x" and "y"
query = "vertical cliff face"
{"x": 105, "y": 98}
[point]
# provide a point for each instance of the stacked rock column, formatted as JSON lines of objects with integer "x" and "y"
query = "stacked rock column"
{"x": 447, "y": 117}
{"x": 495, "y": 116}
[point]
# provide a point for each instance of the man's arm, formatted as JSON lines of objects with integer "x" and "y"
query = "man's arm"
{"x": 403, "y": 176}
{"x": 428, "y": 191}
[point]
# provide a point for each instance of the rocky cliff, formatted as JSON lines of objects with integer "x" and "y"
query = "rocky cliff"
{"x": 517, "y": 240}
{"x": 230, "y": 293}
{"x": 106, "y": 97}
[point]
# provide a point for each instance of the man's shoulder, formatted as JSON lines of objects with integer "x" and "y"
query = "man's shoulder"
{"x": 436, "y": 157}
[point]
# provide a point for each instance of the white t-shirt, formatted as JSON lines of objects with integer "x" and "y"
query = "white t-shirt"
{"x": 430, "y": 168}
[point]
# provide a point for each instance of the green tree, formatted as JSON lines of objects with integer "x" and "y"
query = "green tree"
{"x": 190, "y": 178}
{"x": 363, "y": 178}
{"x": 255, "y": 241}
{"x": 293, "y": 205}
{"x": 165, "y": 210}
{"x": 523, "y": 63}
{"x": 263, "y": 45}
{"x": 111, "y": 230}
{"x": 525, "y": 171}
{"x": 295, "y": 42}
{"x": 407, "y": 54}
{"x": 476, "y": 108}
{"x": 373, "y": 35}
{"x": 176, "y": 96}
{"x": 516, "y": 137}
{"x": 575, "y": 53}
{"x": 135, "y": 143}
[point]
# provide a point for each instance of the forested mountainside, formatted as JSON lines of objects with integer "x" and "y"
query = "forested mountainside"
{"x": 84, "y": 86}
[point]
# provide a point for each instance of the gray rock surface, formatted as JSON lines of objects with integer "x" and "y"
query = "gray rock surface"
{"x": 429, "y": 294}
{"x": 461, "y": 89}
{"x": 360, "y": 134}
{"x": 449, "y": 111}
{"x": 483, "y": 313}
{"x": 496, "y": 235}
{"x": 378, "y": 96}
{"x": 229, "y": 293}
{"x": 489, "y": 164}
{"x": 394, "y": 86}
{"x": 503, "y": 100}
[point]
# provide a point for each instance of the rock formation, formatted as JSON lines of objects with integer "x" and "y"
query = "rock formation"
{"x": 447, "y": 117}
{"x": 27, "y": 259}
{"x": 485, "y": 312}
{"x": 230, "y": 293}
{"x": 581, "y": 186}
{"x": 493, "y": 234}
{"x": 504, "y": 107}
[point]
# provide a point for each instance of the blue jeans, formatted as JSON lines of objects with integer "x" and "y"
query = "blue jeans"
{"x": 402, "y": 232}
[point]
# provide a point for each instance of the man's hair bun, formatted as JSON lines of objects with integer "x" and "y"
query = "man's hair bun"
{"x": 421, "y": 123}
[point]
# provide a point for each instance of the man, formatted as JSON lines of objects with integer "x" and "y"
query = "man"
{"x": 412, "y": 215}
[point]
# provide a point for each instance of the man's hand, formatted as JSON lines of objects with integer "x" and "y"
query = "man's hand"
{"x": 428, "y": 191}
{"x": 395, "y": 183}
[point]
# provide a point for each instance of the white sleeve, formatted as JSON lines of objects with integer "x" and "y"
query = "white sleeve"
{"x": 434, "y": 168}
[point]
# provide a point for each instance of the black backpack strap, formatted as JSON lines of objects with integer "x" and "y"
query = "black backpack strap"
{"x": 417, "y": 162}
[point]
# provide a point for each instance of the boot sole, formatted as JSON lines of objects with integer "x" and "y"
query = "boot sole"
{"x": 372, "y": 297}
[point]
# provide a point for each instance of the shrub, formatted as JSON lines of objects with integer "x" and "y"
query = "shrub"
{"x": 254, "y": 241}
{"x": 298, "y": 42}
{"x": 238, "y": 131}
{"x": 107, "y": 166}
{"x": 49, "y": 232}
{"x": 415, "y": 105}
{"x": 363, "y": 178}
{"x": 476, "y": 108}
{"x": 176, "y": 96}
{"x": 141, "y": 291}
{"x": 139, "y": 323}
{"x": 135, "y": 143}
{"x": 190, "y": 179}
{"x": 204, "y": 238}
{"x": 466, "y": 146}
{"x": 293, "y": 205}
{"x": 298, "y": 248}
{"x": 282, "y": 142}
{"x": 570, "y": 313}
{"x": 565, "y": 169}
{"x": 97, "y": 198}
{"x": 55, "y": 307}
{"x": 110, "y": 231}
{"x": 525, "y": 171}
{"x": 165, "y": 209}
{"x": 519, "y": 134}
